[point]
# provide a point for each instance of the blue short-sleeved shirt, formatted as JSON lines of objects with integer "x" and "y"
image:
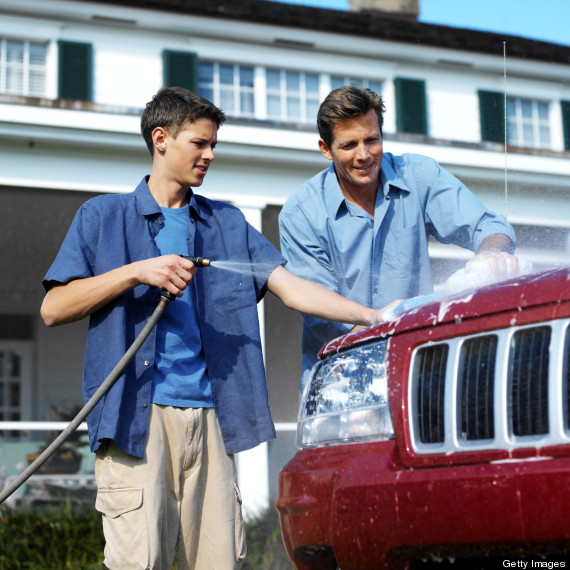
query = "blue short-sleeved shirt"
{"x": 376, "y": 260}
{"x": 113, "y": 230}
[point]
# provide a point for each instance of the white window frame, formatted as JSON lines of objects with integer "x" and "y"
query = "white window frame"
{"x": 25, "y": 66}
{"x": 22, "y": 410}
{"x": 236, "y": 88}
{"x": 260, "y": 91}
{"x": 285, "y": 94}
{"x": 535, "y": 122}
{"x": 374, "y": 84}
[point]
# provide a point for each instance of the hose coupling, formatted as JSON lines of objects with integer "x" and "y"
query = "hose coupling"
{"x": 198, "y": 261}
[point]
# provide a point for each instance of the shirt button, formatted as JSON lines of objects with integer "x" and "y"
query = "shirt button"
{"x": 145, "y": 405}
{"x": 159, "y": 221}
{"x": 146, "y": 362}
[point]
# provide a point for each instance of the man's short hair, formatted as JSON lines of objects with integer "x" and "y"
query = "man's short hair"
{"x": 347, "y": 102}
{"x": 173, "y": 108}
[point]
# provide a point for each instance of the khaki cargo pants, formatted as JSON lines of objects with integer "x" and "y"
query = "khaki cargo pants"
{"x": 182, "y": 494}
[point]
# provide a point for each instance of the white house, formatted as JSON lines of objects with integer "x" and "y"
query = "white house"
{"x": 75, "y": 75}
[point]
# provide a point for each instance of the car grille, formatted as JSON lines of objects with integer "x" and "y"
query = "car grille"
{"x": 506, "y": 388}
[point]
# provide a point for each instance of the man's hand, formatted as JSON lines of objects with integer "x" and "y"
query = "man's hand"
{"x": 500, "y": 263}
{"x": 496, "y": 252}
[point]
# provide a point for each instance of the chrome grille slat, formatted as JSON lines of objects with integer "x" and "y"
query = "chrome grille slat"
{"x": 501, "y": 389}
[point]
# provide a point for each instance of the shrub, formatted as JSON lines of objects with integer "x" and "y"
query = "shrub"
{"x": 58, "y": 538}
{"x": 265, "y": 550}
{"x": 71, "y": 538}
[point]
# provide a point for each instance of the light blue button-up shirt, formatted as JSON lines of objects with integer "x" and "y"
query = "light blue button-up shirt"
{"x": 331, "y": 241}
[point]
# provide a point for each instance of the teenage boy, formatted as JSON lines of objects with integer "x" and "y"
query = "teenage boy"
{"x": 361, "y": 227}
{"x": 195, "y": 394}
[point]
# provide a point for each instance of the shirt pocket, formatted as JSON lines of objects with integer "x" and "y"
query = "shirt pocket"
{"x": 401, "y": 260}
{"x": 229, "y": 291}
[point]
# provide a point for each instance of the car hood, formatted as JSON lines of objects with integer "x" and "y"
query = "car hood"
{"x": 547, "y": 287}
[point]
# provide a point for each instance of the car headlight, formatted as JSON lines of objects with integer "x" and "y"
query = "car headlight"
{"x": 346, "y": 399}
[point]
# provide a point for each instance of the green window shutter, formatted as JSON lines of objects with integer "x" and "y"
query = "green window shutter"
{"x": 566, "y": 123}
{"x": 75, "y": 71}
{"x": 180, "y": 69}
{"x": 411, "y": 108}
{"x": 492, "y": 114}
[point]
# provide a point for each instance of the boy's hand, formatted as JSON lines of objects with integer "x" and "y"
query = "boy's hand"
{"x": 384, "y": 314}
{"x": 169, "y": 272}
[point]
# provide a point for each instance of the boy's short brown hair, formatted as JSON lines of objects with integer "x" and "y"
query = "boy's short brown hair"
{"x": 172, "y": 108}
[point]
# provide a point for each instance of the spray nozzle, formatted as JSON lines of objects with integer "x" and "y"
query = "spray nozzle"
{"x": 198, "y": 261}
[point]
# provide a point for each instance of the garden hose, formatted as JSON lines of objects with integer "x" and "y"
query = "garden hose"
{"x": 165, "y": 298}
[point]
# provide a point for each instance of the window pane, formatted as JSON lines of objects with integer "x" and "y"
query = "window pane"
{"x": 227, "y": 74}
{"x": 312, "y": 109}
{"x": 37, "y": 82}
{"x": 512, "y": 132}
{"x": 14, "y": 395}
{"x": 544, "y": 133}
{"x": 14, "y": 81}
{"x": 206, "y": 73}
{"x": 15, "y": 52}
{"x": 293, "y": 81}
{"x": 246, "y": 102}
{"x": 543, "y": 111}
{"x": 14, "y": 365}
{"x": 273, "y": 78}
{"x": 312, "y": 83}
{"x": 38, "y": 54}
{"x": 1, "y": 395}
{"x": 528, "y": 135}
{"x": 227, "y": 100}
{"x": 293, "y": 108}
{"x": 526, "y": 107}
{"x": 207, "y": 93}
{"x": 376, "y": 86}
{"x": 511, "y": 108}
{"x": 274, "y": 106}
{"x": 336, "y": 82}
{"x": 246, "y": 76}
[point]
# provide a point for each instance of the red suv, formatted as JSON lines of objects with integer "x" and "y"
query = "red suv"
{"x": 444, "y": 433}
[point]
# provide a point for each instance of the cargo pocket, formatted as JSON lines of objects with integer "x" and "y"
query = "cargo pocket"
{"x": 125, "y": 527}
{"x": 240, "y": 543}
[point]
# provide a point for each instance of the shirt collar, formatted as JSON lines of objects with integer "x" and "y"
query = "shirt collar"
{"x": 148, "y": 206}
{"x": 334, "y": 197}
{"x": 389, "y": 176}
{"x": 145, "y": 200}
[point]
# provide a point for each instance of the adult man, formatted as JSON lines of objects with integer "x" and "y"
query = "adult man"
{"x": 195, "y": 393}
{"x": 361, "y": 227}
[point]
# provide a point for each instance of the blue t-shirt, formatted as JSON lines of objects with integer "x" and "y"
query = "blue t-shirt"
{"x": 179, "y": 377}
